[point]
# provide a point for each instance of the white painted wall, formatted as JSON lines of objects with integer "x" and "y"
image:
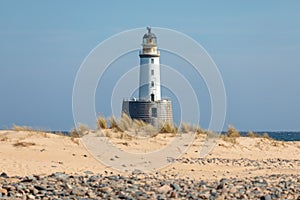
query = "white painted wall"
{"x": 146, "y": 78}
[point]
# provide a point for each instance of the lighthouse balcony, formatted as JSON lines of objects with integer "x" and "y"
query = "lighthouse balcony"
{"x": 149, "y": 52}
{"x": 146, "y": 100}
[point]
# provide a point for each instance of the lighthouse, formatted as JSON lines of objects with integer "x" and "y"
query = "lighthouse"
{"x": 149, "y": 68}
{"x": 149, "y": 107}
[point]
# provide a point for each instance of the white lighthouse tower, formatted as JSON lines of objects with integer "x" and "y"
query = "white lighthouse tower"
{"x": 149, "y": 107}
{"x": 149, "y": 69}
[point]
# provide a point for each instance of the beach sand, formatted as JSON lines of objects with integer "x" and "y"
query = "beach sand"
{"x": 29, "y": 152}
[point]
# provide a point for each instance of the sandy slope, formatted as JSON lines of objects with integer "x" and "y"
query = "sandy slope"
{"x": 44, "y": 153}
{"x": 50, "y": 153}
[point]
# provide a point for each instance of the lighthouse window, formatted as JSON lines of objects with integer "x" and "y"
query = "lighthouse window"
{"x": 154, "y": 112}
{"x": 152, "y": 61}
{"x": 152, "y": 72}
{"x": 152, "y": 83}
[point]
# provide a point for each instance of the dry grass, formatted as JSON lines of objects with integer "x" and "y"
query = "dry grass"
{"x": 154, "y": 134}
{"x": 199, "y": 130}
{"x": 26, "y": 129}
{"x": 199, "y": 133}
{"x": 75, "y": 140}
{"x": 60, "y": 133}
{"x": 101, "y": 123}
{"x": 232, "y": 132}
{"x": 79, "y": 132}
{"x": 82, "y": 130}
{"x": 256, "y": 135}
{"x": 210, "y": 134}
{"x": 266, "y": 135}
{"x": 277, "y": 143}
{"x": 30, "y": 131}
{"x": 4, "y": 139}
{"x": 169, "y": 128}
{"x": 186, "y": 128}
{"x": 251, "y": 134}
{"x": 124, "y": 136}
{"x": 23, "y": 144}
{"x": 22, "y": 128}
{"x": 139, "y": 123}
{"x": 152, "y": 131}
{"x": 44, "y": 134}
{"x": 136, "y": 127}
{"x": 113, "y": 124}
{"x": 229, "y": 139}
{"x": 108, "y": 134}
{"x": 231, "y": 135}
{"x": 74, "y": 133}
{"x": 75, "y": 136}
{"x": 125, "y": 123}
{"x": 114, "y": 134}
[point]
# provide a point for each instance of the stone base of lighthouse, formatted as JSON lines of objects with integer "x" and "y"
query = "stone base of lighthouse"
{"x": 153, "y": 112}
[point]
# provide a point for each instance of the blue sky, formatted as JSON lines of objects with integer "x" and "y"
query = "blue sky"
{"x": 256, "y": 47}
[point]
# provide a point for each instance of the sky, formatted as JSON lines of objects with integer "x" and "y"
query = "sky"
{"x": 255, "y": 45}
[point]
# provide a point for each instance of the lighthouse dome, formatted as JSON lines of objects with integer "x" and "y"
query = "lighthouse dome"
{"x": 149, "y": 37}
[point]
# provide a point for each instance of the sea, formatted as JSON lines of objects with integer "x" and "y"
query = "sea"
{"x": 276, "y": 135}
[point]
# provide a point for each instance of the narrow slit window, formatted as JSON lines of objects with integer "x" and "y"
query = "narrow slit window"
{"x": 152, "y": 61}
{"x": 152, "y": 83}
{"x": 152, "y": 72}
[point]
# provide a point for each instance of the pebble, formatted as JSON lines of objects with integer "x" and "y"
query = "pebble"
{"x": 139, "y": 185}
{"x": 3, "y": 191}
{"x": 39, "y": 187}
{"x": 3, "y": 175}
{"x": 175, "y": 186}
{"x": 164, "y": 189}
{"x": 88, "y": 172}
{"x": 78, "y": 191}
{"x": 30, "y": 196}
{"x": 266, "y": 197}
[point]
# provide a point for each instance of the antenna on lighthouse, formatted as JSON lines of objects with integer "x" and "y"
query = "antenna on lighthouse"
{"x": 149, "y": 29}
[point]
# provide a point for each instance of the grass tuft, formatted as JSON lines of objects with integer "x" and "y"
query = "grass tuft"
{"x": 22, "y": 128}
{"x": 74, "y": 133}
{"x": 231, "y": 135}
{"x": 4, "y": 139}
{"x": 232, "y": 132}
{"x": 79, "y": 132}
{"x": 113, "y": 124}
{"x": 251, "y": 134}
{"x": 169, "y": 128}
{"x": 266, "y": 135}
{"x": 210, "y": 134}
{"x": 125, "y": 123}
{"x": 199, "y": 131}
{"x": 23, "y": 144}
{"x": 101, "y": 123}
{"x": 31, "y": 130}
{"x": 185, "y": 128}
